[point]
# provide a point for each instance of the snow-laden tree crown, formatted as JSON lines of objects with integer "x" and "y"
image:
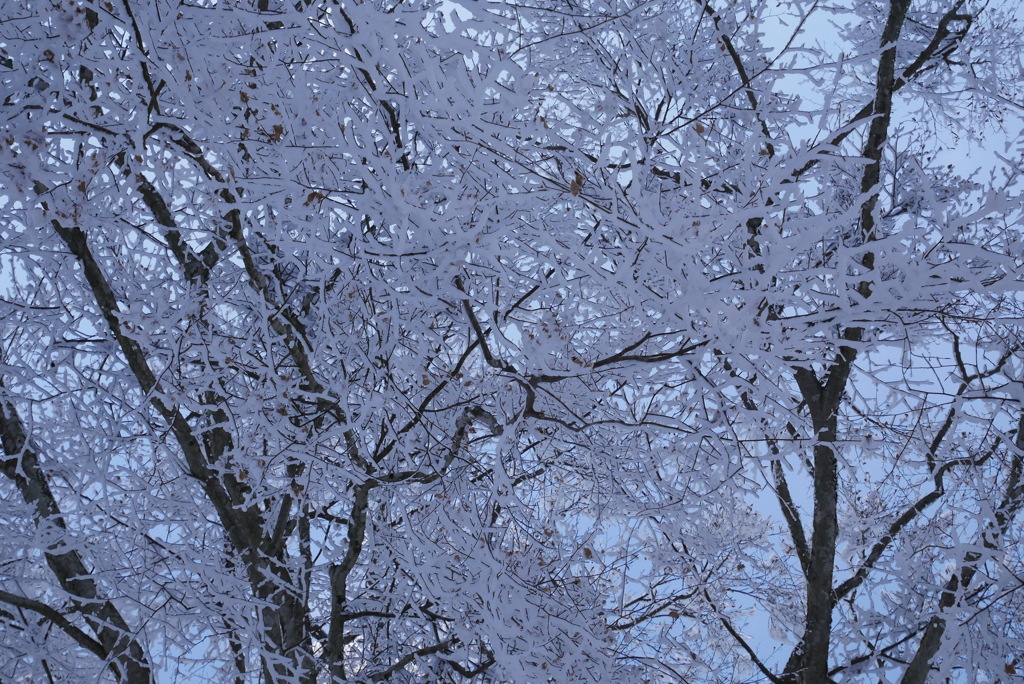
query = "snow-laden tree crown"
{"x": 569, "y": 341}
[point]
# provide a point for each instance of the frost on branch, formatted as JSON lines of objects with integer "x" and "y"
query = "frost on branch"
{"x": 564, "y": 342}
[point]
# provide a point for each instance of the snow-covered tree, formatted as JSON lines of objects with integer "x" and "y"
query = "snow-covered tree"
{"x": 570, "y": 341}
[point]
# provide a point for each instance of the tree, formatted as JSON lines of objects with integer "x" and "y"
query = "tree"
{"x": 463, "y": 342}
{"x": 860, "y": 300}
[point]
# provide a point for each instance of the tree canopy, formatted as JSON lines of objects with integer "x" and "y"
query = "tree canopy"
{"x": 568, "y": 341}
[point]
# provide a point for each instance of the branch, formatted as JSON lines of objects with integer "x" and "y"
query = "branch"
{"x": 653, "y": 612}
{"x": 792, "y": 515}
{"x": 339, "y": 574}
{"x": 919, "y": 668}
{"x": 743, "y": 643}
{"x": 462, "y": 425}
{"x": 742, "y": 71}
{"x": 479, "y": 669}
{"x": 901, "y": 522}
{"x": 21, "y": 465}
{"x": 782, "y": 493}
{"x": 874, "y": 651}
{"x": 623, "y": 355}
{"x": 384, "y": 675}
{"x": 242, "y": 527}
{"x": 938, "y": 475}
{"x": 916, "y": 67}
{"x": 481, "y": 335}
{"x": 421, "y": 410}
{"x": 54, "y": 616}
